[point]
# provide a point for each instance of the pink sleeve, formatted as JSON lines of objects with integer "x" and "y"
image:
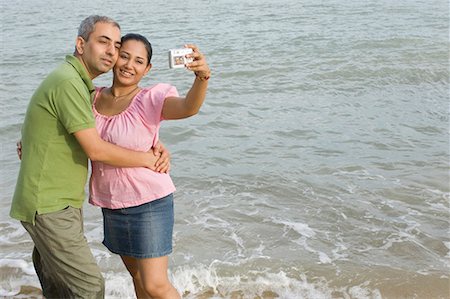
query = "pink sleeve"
{"x": 151, "y": 104}
{"x": 163, "y": 91}
{"x": 153, "y": 101}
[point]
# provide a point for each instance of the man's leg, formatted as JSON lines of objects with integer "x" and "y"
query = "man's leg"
{"x": 47, "y": 283}
{"x": 66, "y": 262}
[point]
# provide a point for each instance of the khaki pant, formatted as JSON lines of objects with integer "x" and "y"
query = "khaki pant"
{"x": 63, "y": 261}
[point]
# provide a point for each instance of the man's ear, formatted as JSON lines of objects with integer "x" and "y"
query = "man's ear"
{"x": 79, "y": 45}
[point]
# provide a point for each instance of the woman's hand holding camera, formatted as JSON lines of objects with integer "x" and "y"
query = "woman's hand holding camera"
{"x": 199, "y": 66}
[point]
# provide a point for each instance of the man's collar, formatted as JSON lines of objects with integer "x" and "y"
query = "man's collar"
{"x": 79, "y": 67}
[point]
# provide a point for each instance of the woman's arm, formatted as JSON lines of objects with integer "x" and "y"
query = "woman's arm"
{"x": 179, "y": 107}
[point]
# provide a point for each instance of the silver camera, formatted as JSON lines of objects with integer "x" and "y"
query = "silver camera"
{"x": 178, "y": 59}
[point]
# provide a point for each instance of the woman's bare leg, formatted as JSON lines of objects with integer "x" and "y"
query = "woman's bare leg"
{"x": 150, "y": 277}
{"x": 156, "y": 283}
{"x": 133, "y": 268}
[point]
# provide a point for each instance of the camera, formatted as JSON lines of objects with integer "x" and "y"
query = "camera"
{"x": 177, "y": 57}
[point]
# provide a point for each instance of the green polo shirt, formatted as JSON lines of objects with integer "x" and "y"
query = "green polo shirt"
{"x": 54, "y": 167}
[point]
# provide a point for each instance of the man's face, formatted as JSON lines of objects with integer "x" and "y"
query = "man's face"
{"x": 100, "y": 52}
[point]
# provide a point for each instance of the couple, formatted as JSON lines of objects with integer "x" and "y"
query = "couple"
{"x": 118, "y": 132}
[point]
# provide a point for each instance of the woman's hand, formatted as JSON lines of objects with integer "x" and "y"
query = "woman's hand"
{"x": 19, "y": 149}
{"x": 163, "y": 163}
{"x": 199, "y": 66}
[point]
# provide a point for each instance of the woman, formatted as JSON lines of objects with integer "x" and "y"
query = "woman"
{"x": 137, "y": 203}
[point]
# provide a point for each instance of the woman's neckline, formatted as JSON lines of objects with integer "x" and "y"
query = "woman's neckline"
{"x": 114, "y": 115}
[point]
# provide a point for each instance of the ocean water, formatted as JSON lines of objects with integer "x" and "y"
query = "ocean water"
{"x": 318, "y": 166}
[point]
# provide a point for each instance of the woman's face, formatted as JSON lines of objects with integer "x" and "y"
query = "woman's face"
{"x": 132, "y": 63}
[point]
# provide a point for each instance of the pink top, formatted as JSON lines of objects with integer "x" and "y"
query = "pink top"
{"x": 135, "y": 128}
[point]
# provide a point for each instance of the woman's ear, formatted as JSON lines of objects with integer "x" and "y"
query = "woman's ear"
{"x": 79, "y": 45}
{"x": 147, "y": 69}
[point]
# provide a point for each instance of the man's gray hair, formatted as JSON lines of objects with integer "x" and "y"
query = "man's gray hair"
{"x": 87, "y": 25}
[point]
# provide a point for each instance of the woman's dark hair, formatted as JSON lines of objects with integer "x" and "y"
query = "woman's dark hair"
{"x": 140, "y": 38}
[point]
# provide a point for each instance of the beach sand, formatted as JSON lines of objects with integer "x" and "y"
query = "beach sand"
{"x": 28, "y": 292}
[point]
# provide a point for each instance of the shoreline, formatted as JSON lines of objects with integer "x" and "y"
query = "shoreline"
{"x": 395, "y": 292}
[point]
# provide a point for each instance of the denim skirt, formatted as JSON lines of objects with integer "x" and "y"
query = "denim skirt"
{"x": 143, "y": 231}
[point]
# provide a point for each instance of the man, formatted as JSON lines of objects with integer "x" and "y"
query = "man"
{"x": 58, "y": 137}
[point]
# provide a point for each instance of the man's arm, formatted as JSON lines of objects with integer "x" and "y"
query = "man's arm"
{"x": 99, "y": 150}
{"x": 163, "y": 163}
